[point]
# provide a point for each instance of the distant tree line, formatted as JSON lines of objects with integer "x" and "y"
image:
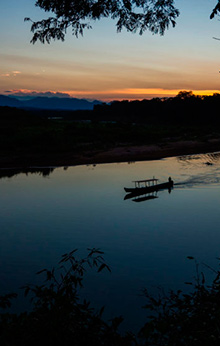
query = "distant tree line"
{"x": 185, "y": 108}
{"x": 121, "y": 123}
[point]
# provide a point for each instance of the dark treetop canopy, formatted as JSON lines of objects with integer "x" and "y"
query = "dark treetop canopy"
{"x": 215, "y": 10}
{"x": 133, "y": 15}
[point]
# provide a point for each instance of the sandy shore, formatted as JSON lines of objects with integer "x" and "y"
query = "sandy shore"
{"x": 117, "y": 154}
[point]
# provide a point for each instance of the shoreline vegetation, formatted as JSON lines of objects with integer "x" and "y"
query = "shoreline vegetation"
{"x": 123, "y": 131}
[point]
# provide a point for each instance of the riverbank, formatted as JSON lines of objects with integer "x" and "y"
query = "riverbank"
{"x": 116, "y": 154}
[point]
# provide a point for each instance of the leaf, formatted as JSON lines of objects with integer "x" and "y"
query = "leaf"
{"x": 73, "y": 251}
{"x": 116, "y": 322}
{"x": 217, "y": 278}
{"x": 148, "y": 306}
{"x": 41, "y": 271}
{"x": 203, "y": 278}
{"x": 5, "y": 301}
{"x": 49, "y": 275}
{"x": 27, "y": 290}
{"x": 102, "y": 266}
{"x": 101, "y": 311}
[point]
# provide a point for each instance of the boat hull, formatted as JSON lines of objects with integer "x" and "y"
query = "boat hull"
{"x": 147, "y": 189}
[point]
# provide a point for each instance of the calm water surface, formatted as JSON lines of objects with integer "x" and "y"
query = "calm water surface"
{"x": 145, "y": 244}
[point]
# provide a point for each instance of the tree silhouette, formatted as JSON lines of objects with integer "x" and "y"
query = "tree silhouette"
{"x": 184, "y": 95}
{"x": 215, "y": 10}
{"x": 133, "y": 15}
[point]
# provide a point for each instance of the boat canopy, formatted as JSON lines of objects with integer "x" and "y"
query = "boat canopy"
{"x": 147, "y": 182}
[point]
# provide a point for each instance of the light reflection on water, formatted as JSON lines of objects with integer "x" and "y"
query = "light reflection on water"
{"x": 45, "y": 214}
{"x": 198, "y": 164}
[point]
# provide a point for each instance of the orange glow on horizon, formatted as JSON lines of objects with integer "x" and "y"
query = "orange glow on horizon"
{"x": 117, "y": 94}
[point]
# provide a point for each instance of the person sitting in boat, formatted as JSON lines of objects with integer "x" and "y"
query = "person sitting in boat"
{"x": 170, "y": 181}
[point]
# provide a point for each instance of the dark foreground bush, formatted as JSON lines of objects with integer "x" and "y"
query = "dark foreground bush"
{"x": 180, "y": 319}
{"x": 60, "y": 317}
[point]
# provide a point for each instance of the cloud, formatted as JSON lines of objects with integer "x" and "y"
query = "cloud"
{"x": 12, "y": 73}
{"x": 24, "y": 93}
{"x": 15, "y": 73}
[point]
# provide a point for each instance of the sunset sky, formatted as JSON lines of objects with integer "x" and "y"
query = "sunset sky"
{"x": 105, "y": 65}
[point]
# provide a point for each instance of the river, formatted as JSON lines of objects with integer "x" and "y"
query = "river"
{"x": 47, "y": 212}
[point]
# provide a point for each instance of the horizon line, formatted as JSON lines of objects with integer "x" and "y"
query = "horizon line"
{"x": 109, "y": 95}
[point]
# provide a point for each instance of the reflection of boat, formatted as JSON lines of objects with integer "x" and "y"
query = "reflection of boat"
{"x": 145, "y": 198}
{"x": 150, "y": 185}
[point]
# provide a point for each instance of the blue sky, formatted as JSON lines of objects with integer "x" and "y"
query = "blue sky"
{"x": 105, "y": 65}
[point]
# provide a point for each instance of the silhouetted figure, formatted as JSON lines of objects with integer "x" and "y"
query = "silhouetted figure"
{"x": 170, "y": 181}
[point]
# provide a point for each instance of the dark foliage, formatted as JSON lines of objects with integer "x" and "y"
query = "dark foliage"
{"x": 33, "y": 133}
{"x": 59, "y": 316}
{"x": 185, "y": 319}
{"x": 216, "y": 10}
{"x": 133, "y": 15}
{"x": 184, "y": 109}
{"x": 15, "y": 117}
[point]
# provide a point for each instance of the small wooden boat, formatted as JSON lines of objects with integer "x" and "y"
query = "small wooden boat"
{"x": 149, "y": 185}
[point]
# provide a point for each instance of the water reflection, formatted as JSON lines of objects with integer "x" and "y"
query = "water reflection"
{"x": 204, "y": 159}
{"x": 199, "y": 170}
{"x": 195, "y": 163}
{"x": 141, "y": 197}
{"x": 146, "y": 244}
{"x": 11, "y": 172}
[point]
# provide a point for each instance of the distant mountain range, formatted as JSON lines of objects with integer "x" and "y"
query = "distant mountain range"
{"x": 41, "y": 102}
